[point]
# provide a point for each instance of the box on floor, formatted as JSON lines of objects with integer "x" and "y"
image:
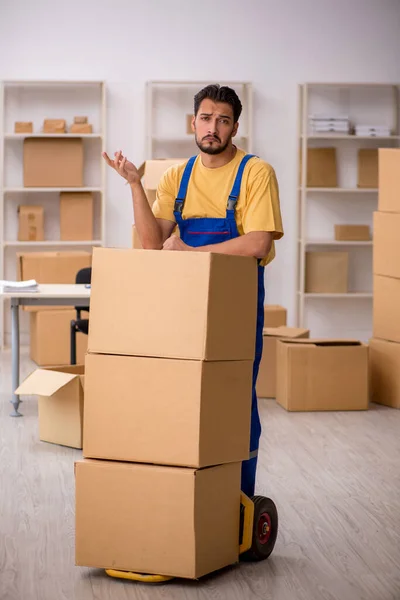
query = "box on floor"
{"x": 53, "y": 162}
{"x": 327, "y": 272}
{"x": 60, "y": 403}
{"x": 389, "y": 183}
{"x": 386, "y": 248}
{"x": 129, "y": 517}
{"x": 386, "y": 308}
{"x": 274, "y": 315}
{"x": 384, "y": 361}
{"x": 50, "y": 338}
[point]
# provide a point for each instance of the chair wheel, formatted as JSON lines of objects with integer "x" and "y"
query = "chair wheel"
{"x": 265, "y": 529}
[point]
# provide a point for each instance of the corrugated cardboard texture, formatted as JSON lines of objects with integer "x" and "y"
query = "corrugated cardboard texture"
{"x": 171, "y": 412}
{"x": 367, "y": 168}
{"x": 50, "y": 339}
{"x": 321, "y": 167}
{"x": 327, "y": 272}
{"x": 386, "y": 308}
{"x": 76, "y": 216}
{"x": 356, "y": 233}
{"x": 322, "y": 375}
{"x": 386, "y": 248}
{"x": 389, "y": 182}
{"x": 152, "y": 519}
{"x": 140, "y": 297}
{"x": 274, "y": 315}
{"x": 384, "y": 362}
{"x": 30, "y": 223}
{"x": 266, "y": 381}
{"x": 53, "y": 162}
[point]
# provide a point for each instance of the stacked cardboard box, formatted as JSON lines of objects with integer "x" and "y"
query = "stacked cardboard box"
{"x": 168, "y": 379}
{"x": 385, "y": 345}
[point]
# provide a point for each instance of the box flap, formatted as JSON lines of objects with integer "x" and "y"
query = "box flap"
{"x": 155, "y": 169}
{"x": 323, "y": 342}
{"x": 285, "y": 332}
{"x": 45, "y": 382}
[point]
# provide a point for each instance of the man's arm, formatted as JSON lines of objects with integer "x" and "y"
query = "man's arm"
{"x": 255, "y": 243}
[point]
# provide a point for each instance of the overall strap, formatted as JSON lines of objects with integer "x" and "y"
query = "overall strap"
{"x": 234, "y": 195}
{"x": 180, "y": 199}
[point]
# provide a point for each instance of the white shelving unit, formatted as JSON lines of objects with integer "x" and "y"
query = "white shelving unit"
{"x": 320, "y": 208}
{"x": 34, "y": 101}
{"x": 168, "y": 103}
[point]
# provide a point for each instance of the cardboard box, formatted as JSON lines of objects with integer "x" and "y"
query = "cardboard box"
{"x": 60, "y": 403}
{"x": 151, "y": 172}
{"x": 266, "y": 381}
{"x": 53, "y": 162}
{"x": 386, "y": 308}
{"x": 81, "y": 128}
{"x": 136, "y": 244}
{"x": 322, "y": 375}
{"x": 23, "y": 127}
{"x": 130, "y": 516}
{"x": 170, "y": 412}
{"x": 141, "y": 298}
{"x": 386, "y": 247}
{"x": 80, "y": 120}
{"x": 389, "y": 184}
{"x": 30, "y": 223}
{"x": 52, "y": 267}
{"x": 367, "y": 168}
{"x": 189, "y": 119}
{"x": 50, "y": 339}
{"x": 352, "y": 233}
{"x": 327, "y": 272}
{"x": 76, "y": 216}
{"x": 274, "y": 315}
{"x": 384, "y": 363}
{"x": 54, "y": 126}
{"x": 321, "y": 167}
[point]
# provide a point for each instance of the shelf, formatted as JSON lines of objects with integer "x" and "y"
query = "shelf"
{"x": 18, "y": 190}
{"x": 348, "y": 295}
{"x": 340, "y": 136}
{"x": 54, "y": 243}
{"x": 21, "y": 136}
{"x": 337, "y": 243}
{"x": 339, "y": 190}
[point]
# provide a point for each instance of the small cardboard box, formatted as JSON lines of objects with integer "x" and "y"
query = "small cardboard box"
{"x": 151, "y": 172}
{"x": 386, "y": 248}
{"x": 76, "y": 216}
{"x": 137, "y": 313}
{"x": 54, "y": 126}
{"x": 274, "y": 315}
{"x": 266, "y": 381}
{"x": 152, "y": 519}
{"x": 367, "y": 168}
{"x": 81, "y": 128}
{"x": 50, "y": 337}
{"x": 53, "y": 162}
{"x": 384, "y": 363}
{"x": 389, "y": 182}
{"x": 136, "y": 244}
{"x": 327, "y": 272}
{"x": 171, "y": 412}
{"x": 80, "y": 120}
{"x": 322, "y": 375}
{"x": 23, "y": 127}
{"x": 189, "y": 119}
{"x": 352, "y": 233}
{"x": 30, "y": 223}
{"x": 321, "y": 167}
{"x": 60, "y": 403}
{"x": 386, "y": 308}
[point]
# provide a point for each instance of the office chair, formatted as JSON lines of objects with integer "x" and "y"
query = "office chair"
{"x": 79, "y": 324}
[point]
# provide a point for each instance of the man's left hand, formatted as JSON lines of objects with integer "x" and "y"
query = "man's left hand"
{"x": 175, "y": 243}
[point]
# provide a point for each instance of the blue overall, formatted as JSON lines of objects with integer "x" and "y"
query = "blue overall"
{"x": 202, "y": 232}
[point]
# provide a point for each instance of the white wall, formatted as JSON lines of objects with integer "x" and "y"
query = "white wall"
{"x": 276, "y": 45}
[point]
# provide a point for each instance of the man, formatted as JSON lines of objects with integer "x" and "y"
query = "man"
{"x": 222, "y": 201}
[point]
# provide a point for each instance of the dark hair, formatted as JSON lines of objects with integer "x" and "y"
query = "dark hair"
{"x": 219, "y": 93}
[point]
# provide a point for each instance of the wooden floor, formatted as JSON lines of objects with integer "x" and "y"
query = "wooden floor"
{"x": 335, "y": 478}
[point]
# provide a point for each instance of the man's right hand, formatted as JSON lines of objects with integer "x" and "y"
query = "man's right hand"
{"x": 123, "y": 167}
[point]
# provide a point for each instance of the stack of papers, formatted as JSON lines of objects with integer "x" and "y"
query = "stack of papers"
{"x": 373, "y": 130}
{"x": 329, "y": 124}
{"x": 29, "y": 285}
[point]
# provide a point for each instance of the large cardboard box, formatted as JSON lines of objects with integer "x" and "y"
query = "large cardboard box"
{"x": 53, "y": 162}
{"x": 274, "y": 315}
{"x": 60, "y": 403}
{"x": 30, "y": 223}
{"x": 356, "y": 233}
{"x": 386, "y": 247}
{"x": 321, "y": 167}
{"x": 266, "y": 381}
{"x": 153, "y": 519}
{"x": 386, "y": 308}
{"x": 327, "y": 272}
{"x": 389, "y": 183}
{"x": 76, "y": 216}
{"x": 322, "y": 375}
{"x": 384, "y": 361}
{"x": 50, "y": 339}
{"x": 173, "y": 304}
{"x": 152, "y": 170}
{"x": 52, "y": 267}
{"x": 171, "y": 412}
{"x": 367, "y": 168}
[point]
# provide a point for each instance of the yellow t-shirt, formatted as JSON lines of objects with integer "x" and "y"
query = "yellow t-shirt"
{"x": 257, "y": 208}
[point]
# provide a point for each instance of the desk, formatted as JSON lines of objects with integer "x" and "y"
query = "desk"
{"x": 49, "y": 294}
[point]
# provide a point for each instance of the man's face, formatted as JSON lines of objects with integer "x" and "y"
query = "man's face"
{"x": 214, "y": 126}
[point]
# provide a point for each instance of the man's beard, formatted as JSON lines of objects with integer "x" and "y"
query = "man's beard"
{"x": 210, "y": 149}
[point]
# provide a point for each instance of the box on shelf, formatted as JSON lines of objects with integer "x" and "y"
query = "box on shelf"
{"x": 54, "y": 126}
{"x": 170, "y": 412}
{"x": 189, "y": 119}
{"x": 129, "y": 516}
{"x": 137, "y": 314}
{"x": 355, "y": 233}
{"x": 315, "y": 375}
{"x": 52, "y": 267}
{"x": 151, "y": 172}
{"x": 389, "y": 183}
{"x": 384, "y": 365}
{"x": 80, "y": 120}
{"x": 53, "y": 162}
{"x": 327, "y": 272}
{"x": 321, "y": 167}
{"x": 76, "y": 216}
{"x": 60, "y": 403}
{"x": 81, "y": 128}
{"x": 386, "y": 247}
{"x": 266, "y": 381}
{"x": 367, "y": 168}
{"x": 386, "y": 308}
{"x": 274, "y": 315}
{"x": 23, "y": 127}
{"x": 30, "y": 223}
